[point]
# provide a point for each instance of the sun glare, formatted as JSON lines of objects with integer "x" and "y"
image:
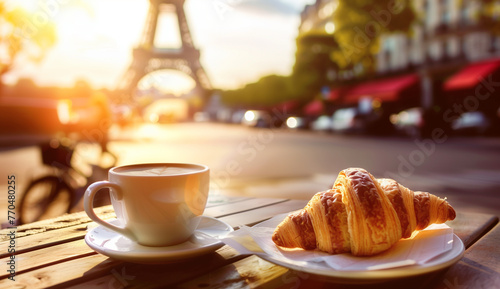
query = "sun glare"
{"x": 64, "y": 111}
{"x": 168, "y": 81}
{"x": 167, "y": 111}
{"x": 75, "y": 25}
{"x": 95, "y": 40}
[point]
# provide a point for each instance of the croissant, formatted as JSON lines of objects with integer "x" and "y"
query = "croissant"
{"x": 361, "y": 215}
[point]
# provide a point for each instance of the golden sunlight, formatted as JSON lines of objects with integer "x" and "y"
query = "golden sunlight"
{"x": 167, "y": 111}
{"x": 167, "y": 81}
{"x": 95, "y": 40}
{"x": 64, "y": 111}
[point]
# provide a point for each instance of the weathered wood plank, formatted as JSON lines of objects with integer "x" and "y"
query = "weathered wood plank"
{"x": 89, "y": 267}
{"x": 55, "y": 224}
{"x": 252, "y": 217}
{"x": 98, "y": 271}
{"x": 254, "y": 272}
{"x": 469, "y": 227}
{"x": 67, "y": 228}
{"x": 480, "y": 266}
{"x": 131, "y": 275}
{"x": 251, "y": 272}
{"x": 238, "y": 207}
{"x": 217, "y": 200}
{"x": 105, "y": 282}
{"x": 48, "y": 256}
{"x": 47, "y": 239}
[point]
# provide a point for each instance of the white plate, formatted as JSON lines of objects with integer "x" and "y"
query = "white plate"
{"x": 204, "y": 240}
{"x": 326, "y": 273}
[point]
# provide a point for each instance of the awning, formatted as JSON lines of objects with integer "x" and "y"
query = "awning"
{"x": 471, "y": 75}
{"x": 383, "y": 90}
{"x": 287, "y": 106}
{"x": 314, "y": 108}
{"x": 334, "y": 94}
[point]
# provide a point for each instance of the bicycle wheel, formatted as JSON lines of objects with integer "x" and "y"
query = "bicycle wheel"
{"x": 45, "y": 198}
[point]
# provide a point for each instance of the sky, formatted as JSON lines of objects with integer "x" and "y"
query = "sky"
{"x": 240, "y": 40}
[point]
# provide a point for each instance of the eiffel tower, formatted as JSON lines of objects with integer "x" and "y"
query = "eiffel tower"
{"x": 148, "y": 58}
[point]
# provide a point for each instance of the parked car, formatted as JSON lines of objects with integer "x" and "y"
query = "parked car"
{"x": 474, "y": 122}
{"x": 347, "y": 120}
{"x": 256, "y": 118}
{"x": 237, "y": 116}
{"x": 296, "y": 122}
{"x": 322, "y": 123}
{"x": 409, "y": 122}
{"x": 201, "y": 116}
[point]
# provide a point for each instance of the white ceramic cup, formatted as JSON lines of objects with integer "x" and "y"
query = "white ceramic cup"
{"x": 157, "y": 204}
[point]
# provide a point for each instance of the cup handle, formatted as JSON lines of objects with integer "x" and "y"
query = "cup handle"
{"x": 88, "y": 201}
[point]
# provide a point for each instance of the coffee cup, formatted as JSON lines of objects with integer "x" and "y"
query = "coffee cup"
{"x": 157, "y": 204}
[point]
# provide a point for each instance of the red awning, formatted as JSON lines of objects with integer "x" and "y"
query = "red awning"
{"x": 383, "y": 90}
{"x": 471, "y": 75}
{"x": 287, "y": 106}
{"x": 334, "y": 94}
{"x": 314, "y": 108}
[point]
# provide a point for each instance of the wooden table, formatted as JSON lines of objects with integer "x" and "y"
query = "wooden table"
{"x": 53, "y": 253}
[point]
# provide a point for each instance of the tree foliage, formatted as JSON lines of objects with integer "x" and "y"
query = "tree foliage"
{"x": 267, "y": 91}
{"x": 313, "y": 63}
{"x": 359, "y": 25}
{"x": 23, "y": 35}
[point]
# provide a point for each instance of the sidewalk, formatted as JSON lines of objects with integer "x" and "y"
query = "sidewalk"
{"x": 16, "y": 141}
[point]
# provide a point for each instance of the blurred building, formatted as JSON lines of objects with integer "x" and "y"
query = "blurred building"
{"x": 453, "y": 45}
{"x": 450, "y": 32}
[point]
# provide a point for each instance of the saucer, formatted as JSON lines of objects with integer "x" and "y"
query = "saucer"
{"x": 204, "y": 240}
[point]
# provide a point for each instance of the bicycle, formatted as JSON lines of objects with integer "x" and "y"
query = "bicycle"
{"x": 58, "y": 193}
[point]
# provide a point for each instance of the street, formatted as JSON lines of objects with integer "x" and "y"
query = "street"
{"x": 293, "y": 164}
